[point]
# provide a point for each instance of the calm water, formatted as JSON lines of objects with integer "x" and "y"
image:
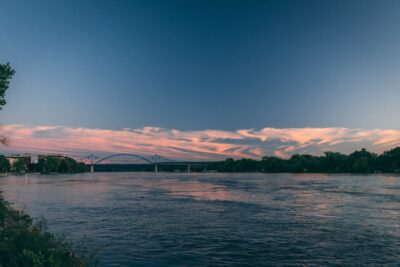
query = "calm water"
{"x": 169, "y": 219}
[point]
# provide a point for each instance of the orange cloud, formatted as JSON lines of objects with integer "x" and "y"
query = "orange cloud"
{"x": 195, "y": 145}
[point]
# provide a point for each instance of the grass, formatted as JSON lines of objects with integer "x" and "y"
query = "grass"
{"x": 24, "y": 242}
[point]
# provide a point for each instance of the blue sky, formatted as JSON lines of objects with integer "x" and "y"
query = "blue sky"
{"x": 196, "y": 65}
{"x": 202, "y": 64}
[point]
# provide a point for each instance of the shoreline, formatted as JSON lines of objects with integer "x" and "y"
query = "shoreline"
{"x": 183, "y": 172}
{"x": 28, "y": 243}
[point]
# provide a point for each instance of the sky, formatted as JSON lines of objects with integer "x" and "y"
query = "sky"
{"x": 139, "y": 76}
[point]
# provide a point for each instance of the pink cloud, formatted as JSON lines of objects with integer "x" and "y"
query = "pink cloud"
{"x": 196, "y": 145}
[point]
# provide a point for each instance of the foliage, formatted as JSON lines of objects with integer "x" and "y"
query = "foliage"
{"x": 361, "y": 161}
{"x": 4, "y": 164}
{"x": 24, "y": 243}
{"x": 6, "y": 73}
{"x": 53, "y": 164}
{"x": 19, "y": 166}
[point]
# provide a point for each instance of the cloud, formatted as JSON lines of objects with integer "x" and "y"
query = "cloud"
{"x": 195, "y": 145}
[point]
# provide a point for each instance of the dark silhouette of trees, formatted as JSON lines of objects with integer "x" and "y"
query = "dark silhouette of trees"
{"x": 271, "y": 164}
{"x": 389, "y": 161}
{"x": 4, "y": 164}
{"x": 6, "y": 73}
{"x": 361, "y": 161}
{"x": 53, "y": 164}
{"x": 19, "y": 166}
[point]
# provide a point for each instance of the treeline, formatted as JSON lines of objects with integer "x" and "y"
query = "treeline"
{"x": 49, "y": 164}
{"x": 58, "y": 165}
{"x": 361, "y": 161}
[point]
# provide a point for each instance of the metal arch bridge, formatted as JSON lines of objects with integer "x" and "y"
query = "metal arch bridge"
{"x": 132, "y": 159}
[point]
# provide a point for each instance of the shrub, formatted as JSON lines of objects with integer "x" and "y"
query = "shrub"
{"x": 25, "y": 243}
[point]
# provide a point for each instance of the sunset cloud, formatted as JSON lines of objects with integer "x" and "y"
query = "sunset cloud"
{"x": 195, "y": 145}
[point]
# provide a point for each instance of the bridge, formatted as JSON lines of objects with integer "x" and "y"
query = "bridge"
{"x": 155, "y": 162}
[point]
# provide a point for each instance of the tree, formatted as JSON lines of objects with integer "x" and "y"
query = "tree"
{"x": 19, "y": 166}
{"x": 51, "y": 164}
{"x": 389, "y": 161}
{"x": 334, "y": 162}
{"x": 363, "y": 161}
{"x": 48, "y": 164}
{"x": 272, "y": 164}
{"x": 6, "y": 73}
{"x": 4, "y": 164}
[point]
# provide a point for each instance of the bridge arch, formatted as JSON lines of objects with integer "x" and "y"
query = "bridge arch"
{"x": 123, "y": 154}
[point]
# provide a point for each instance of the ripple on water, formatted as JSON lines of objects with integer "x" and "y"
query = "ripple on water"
{"x": 168, "y": 219}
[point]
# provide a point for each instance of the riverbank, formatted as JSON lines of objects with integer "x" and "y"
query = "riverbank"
{"x": 25, "y": 243}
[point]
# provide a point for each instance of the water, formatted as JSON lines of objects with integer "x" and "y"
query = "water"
{"x": 172, "y": 219}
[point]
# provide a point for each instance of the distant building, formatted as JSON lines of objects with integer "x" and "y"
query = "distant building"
{"x": 25, "y": 157}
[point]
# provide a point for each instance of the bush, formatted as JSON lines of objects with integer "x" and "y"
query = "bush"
{"x": 25, "y": 243}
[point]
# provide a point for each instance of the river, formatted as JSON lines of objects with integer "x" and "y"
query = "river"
{"x": 215, "y": 219}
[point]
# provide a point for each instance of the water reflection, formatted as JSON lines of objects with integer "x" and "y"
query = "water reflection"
{"x": 169, "y": 219}
{"x": 195, "y": 189}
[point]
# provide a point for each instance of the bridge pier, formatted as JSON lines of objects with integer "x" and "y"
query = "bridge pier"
{"x": 188, "y": 168}
{"x": 155, "y": 168}
{"x": 91, "y": 168}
